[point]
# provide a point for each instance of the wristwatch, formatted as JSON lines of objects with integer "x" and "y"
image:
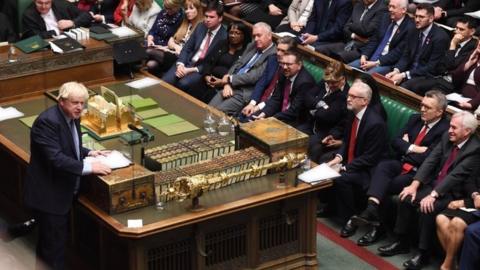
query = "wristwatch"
{"x": 433, "y": 195}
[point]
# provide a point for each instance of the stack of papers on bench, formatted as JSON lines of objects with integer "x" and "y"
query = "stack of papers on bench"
{"x": 318, "y": 174}
{"x": 9, "y": 113}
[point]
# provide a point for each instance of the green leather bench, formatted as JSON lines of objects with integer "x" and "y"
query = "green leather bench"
{"x": 397, "y": 113}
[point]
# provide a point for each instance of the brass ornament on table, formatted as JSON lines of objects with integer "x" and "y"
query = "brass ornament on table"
{"x": 107, "y": 116}
{"x": 185, "y": 187}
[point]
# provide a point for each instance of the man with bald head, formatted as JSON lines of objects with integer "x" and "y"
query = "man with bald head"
{"x": 239, "y": 82}
{"x": 384, "y": 48}
{"x": 49, "y": 18}
{"x": 442, "y": 177}
{"x": 364, "y": 143}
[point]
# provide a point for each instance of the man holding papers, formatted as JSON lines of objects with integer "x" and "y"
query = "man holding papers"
{"x": 364, "y": 145}
{"x": 56, "y": 166}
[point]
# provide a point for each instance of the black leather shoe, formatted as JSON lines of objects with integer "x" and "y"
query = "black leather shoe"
{"x": 21, "y": 229}
{"x": 371, "y": 236}
{"x": 394, "y": 248}
{"x": 368, "y": 217}
{"x": 416, "y": 262}
{"x": 348, "y": 230}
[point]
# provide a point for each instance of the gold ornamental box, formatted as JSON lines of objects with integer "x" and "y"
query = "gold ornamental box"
{"x": 272, "y": 137}
{"x": 124, "y": 189}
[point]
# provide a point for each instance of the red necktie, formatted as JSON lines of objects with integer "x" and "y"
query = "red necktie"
{"x": 205, "y": 47}
{"x": 286, "y": 94}
{"x": 353, "y": 140}
{"x": 447, "y": 165}
{"x": 268, "y": 91}
{"x": 407, "y": 167}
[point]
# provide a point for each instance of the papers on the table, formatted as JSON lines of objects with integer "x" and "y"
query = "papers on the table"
{"x": 142, "y": 83}
{"x": 135, "y": 223}
{"x": 457, "y": 97}
{"x": 123, "y": 31}
{"x": 475, "y": 14}
{"x": 114, "y": 160}
{"x": 28, "y": 121}
{"x": 9, "y": 113}
{"x": 318, "y": 174}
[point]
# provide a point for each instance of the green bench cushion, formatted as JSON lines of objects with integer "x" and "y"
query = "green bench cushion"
{"x": 314, "y": 70}
{"x": 397, "y": 115}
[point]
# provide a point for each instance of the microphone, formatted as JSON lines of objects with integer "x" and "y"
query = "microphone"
{"x": 135, "y": 128}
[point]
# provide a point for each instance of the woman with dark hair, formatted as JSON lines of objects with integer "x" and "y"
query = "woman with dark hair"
{"x": 227, "y": 53}
{"x": 161, "y": 57}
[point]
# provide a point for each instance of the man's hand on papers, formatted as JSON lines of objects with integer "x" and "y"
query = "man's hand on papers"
{"x": 95, "y": 153}
{"x": 100, "y": 168}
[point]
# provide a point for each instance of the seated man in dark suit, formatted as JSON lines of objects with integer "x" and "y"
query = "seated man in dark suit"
{"x": 264, "y": 87}
{"x": 287, "y": 98}
{"x": 49, "y": 18}
{"x": 448, "y": 11}
{"x": 364, "y": 144}
{"x": 386, "y": 45}
{"x": 461, "y": 45}
{"x": 360, "y": 27}
{"x": 425, "y": 47}
{"x": 187, "y": 73}
{"x": 240, "y": 81}
{"x": 411, "y": 146}
{"x": 325, "y": 24}
{"x": 327, "y": 105}
{"x": 441, "y": 178}
{"x": 6, "y": 31}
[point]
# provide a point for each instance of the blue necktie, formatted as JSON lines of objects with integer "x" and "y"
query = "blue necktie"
{"x": 76, "y": 141}
{"x": 378, "y": 52}
{"x": 418, "y": 51}
{"x": 249, "y": 64}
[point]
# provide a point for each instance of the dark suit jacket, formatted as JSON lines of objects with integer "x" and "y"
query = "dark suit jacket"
{"x": 33, "y": 23}
{"x": 325, "y": 117}
{"x": 412, "y": 128}
{"x": 368, "y": 26}
{"x": 302, "y": 83}
{"x": 371, "y": 143}
{"x": 194, "y": 42}
{"x": 265, "y": 79}
{"x": 247, "y": 81}
{"x": 6, "y": 30}
{"x": 54, "y": 167}
{"x": 431, "y": 53}
{"x": 106, "y": 9}
{"x": 450, "y": 62}
{"x": 329, "y": 25}
{"x": 464, "y": 165}
{"x": 460, "y": 77}
{"x": 397, "y": 43}
{"x": 449, "y": 6}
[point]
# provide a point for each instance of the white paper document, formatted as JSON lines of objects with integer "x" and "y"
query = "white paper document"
{"x": 318, "y": 174}
{"x": 468, "y": 209}
{"x": 475, "y": 14}
{"x": 142, "y": 83}
{"x": 9, "y": 113}
{"x": 123, "y": 31}
{"x": 114, "y": 160}
{"x": 457, "y": 97}
{"x": 135, "y": 223}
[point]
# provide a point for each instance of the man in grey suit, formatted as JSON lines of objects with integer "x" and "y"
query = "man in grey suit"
{"x": 441, "y": 178}
{"x": 239, "y": 82}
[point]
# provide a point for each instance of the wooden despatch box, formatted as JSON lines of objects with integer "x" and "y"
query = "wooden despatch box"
{"x": 122, "y": 190}
{"x": 273, "y": 137}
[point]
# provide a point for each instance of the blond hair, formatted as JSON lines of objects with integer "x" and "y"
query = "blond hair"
{"x": 72, "y": 89}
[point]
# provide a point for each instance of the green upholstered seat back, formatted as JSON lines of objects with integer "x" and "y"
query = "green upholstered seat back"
{"x": 314, "y": 70}
{"x": 397, "y": 115}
